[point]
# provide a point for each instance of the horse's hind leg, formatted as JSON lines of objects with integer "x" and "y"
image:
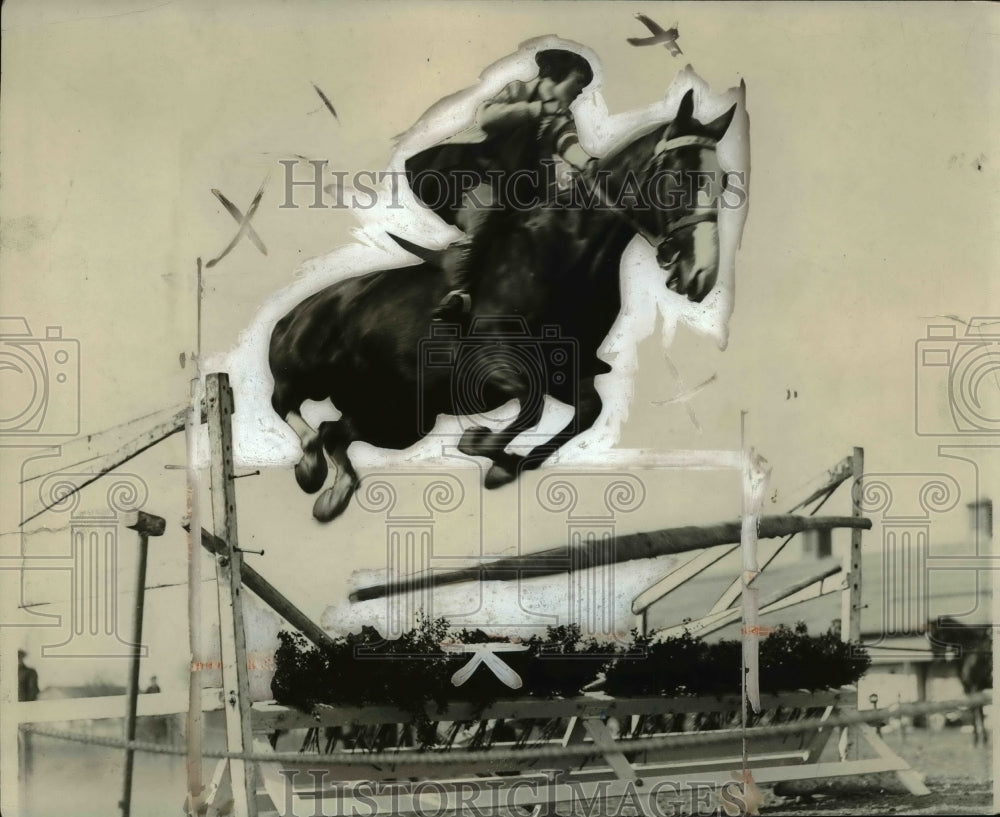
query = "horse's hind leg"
{"x": 311, "y": 470}
{"x": 336, "y": 436}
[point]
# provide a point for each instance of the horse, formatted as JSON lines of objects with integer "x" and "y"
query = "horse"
{"x": 973, "y": 648}
{"x": 545, "y": 294}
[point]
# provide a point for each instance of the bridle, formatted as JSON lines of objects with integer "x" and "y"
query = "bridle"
{"x": 697, "y": 215}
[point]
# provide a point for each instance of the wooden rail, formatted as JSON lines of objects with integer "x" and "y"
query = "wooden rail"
{"x": 623, "y": 549}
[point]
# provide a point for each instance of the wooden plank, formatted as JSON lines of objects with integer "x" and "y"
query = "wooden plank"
{"x": 840, "y": 472}
{"x": 270, "y": 716}
{"x": 271, "y": 596}
{"x": 99, "y": 464}
{"x": 605, "y": 741}
{"x": 766, "y": 552}
{"x": 219, "y": 402}
{"x": 837, "y": 474}
{"x": 218, "y": 798}
{"x": 802, "y": 591}
{"x": 110, "y": 706}
{"x": 384, "y": 770}
{"x": 678, "y": 576}
{"x": 908, "y": 777}
{"x": 588, "y": 786}
{"x": 853, "y": 629}
{"x": 195, "y": 731}
{"x": 625, "y": 548}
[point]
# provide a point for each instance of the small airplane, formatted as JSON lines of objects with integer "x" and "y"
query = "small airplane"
{"x": 667, "y": 37}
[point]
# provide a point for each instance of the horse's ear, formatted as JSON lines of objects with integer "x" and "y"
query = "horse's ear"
{"x": 686, "y": 110}
{"x": 718, "y": 127}
{"x": 685, "y": 113}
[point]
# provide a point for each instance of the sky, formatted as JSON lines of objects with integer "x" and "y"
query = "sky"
{"x": 873, "y": 215}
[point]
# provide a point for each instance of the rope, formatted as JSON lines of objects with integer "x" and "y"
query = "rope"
{"x": 536, "y": 753}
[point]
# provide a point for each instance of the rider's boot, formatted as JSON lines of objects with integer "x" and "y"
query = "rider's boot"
{"x": 456, "y": 306}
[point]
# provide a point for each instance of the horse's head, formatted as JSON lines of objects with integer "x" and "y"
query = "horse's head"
{"x": 677, "y": 184}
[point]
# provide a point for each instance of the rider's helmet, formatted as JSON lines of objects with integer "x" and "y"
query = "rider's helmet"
{"x": 557, "y": 63}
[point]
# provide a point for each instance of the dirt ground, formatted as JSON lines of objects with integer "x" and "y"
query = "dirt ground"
{"x": 958, "y": 774}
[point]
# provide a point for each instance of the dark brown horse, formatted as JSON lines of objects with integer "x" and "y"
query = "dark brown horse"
{"x": 545, "y": 294}
{"x": 972, "y": 649}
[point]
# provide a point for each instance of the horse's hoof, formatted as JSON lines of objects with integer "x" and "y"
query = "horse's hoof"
{"x": 331, "y": 503}
{"x": 471, "y": 439}
{"x": 311, "y": 471}
{"x": 500, "y": 475}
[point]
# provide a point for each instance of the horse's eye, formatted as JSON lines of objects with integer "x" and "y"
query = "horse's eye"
{"x": 667, "y": 254}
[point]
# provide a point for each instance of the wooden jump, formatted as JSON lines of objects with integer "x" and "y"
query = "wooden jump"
{"x": 624, "y": 548}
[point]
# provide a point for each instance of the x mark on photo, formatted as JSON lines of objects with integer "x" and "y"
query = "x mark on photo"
{"x": 244, "y": 221}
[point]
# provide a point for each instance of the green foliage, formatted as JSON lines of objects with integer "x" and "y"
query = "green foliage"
{"x": 790, "y": 659}
{"x": 413, "y": 671}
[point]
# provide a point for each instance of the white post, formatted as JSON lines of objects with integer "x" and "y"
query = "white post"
{"x": 236, "y": 687}
{"x": 194, "y": 713}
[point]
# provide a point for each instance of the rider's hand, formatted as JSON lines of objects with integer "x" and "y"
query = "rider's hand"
{"x": 550, "y": 107}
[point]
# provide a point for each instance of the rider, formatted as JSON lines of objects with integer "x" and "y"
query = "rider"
{"x": 519, "y": 129}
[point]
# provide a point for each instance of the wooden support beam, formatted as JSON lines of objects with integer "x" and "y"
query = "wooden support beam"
{"x": 110, "y": 707}
{"x": 625, "y": 548}
{"x": 272, "y": 597}
{"x": 853, "y": 629}
{"x": 786, "y": 597}
{"x": 99, "y": 464}
{"x": 146, "y": 525}
{"x": 219, "y": 402}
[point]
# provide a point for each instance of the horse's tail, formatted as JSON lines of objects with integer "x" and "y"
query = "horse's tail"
{"x": 423, "y": 253}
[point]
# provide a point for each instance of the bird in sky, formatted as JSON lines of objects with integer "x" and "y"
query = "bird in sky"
{"x": 326, "y": 101}
{"x": 660, "y": 36}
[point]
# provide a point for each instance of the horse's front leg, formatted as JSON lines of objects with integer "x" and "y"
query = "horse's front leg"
{"x": 481, "y": 442}
{"x": 588, "y": 409}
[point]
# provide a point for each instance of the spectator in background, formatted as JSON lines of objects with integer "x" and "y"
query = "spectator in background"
{"x": 27, "y": 690}
{"x": 27, "y": 679}
{"x": 153, "y": 686}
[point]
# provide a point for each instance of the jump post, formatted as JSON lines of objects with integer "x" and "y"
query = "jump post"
{"x": 575, "y": 752}
{"x": 582, "y": 733}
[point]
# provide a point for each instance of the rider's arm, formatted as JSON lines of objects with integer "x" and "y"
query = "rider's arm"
{"x": 509, "y": 109}
{"x": 567, "y": 144}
